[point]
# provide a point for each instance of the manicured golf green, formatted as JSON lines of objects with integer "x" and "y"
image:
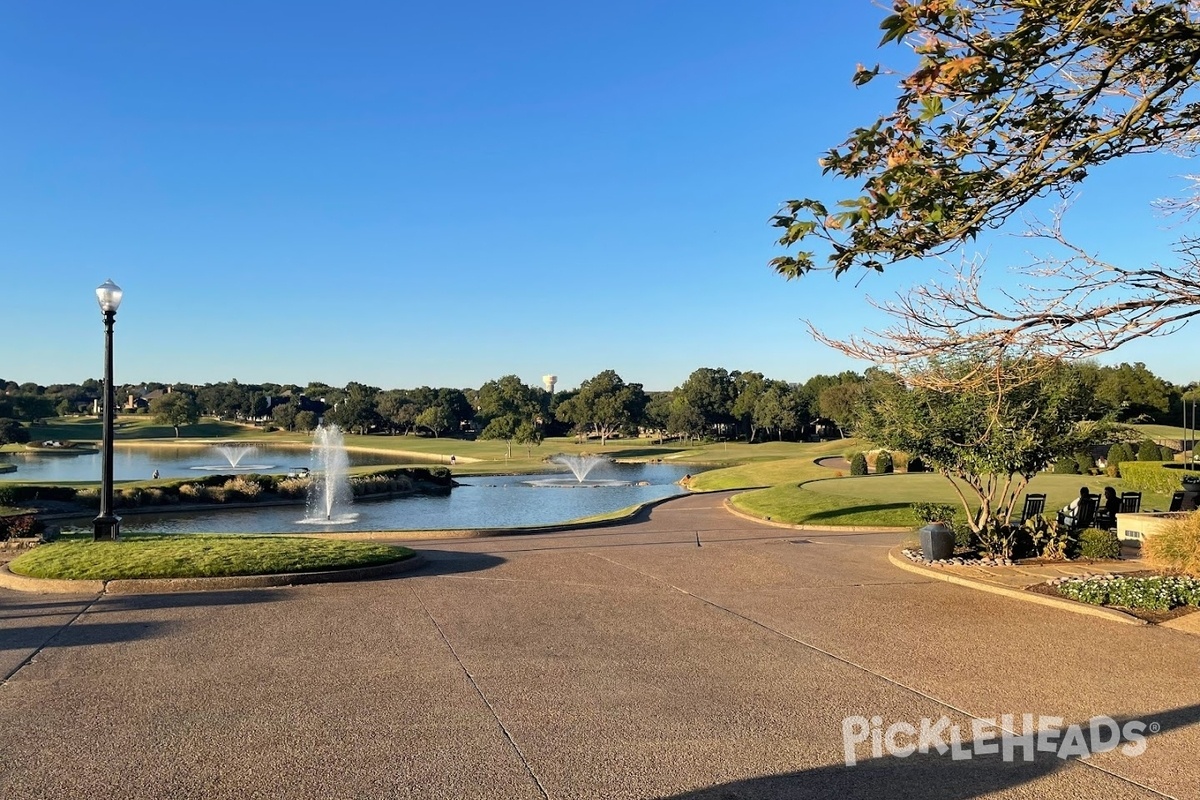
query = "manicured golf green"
{"x": 198, "y": 556}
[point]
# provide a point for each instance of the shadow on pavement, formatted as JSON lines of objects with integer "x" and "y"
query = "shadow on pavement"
{"x": 449, "y": 562}
{"x": 940, "y": 775}
{"x": 35, "y": 636}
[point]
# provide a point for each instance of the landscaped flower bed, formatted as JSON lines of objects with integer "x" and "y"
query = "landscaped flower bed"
{"x": 1154, "y": 593}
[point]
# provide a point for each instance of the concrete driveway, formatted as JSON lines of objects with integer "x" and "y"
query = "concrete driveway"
{"x": 625, "y": 662}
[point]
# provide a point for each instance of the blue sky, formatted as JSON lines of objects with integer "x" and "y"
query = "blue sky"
{"x": 406, "y": 194}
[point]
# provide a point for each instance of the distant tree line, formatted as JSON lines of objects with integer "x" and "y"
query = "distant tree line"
{"x": 712, "y": 403}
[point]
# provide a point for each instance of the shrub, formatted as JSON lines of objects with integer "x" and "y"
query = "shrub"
{"x": 933, "y": 512}
{"x": 191, "y": 491}
{"x": 293, "y": 487}
{"x": 128, "y": 498}
{"x": 88, "y": 497}
{"x": 1166, "y": 453}
{"x": 1098, "y": 544}
{"x": 1112, "y": 471}
{"x": 900, "y": 461}
{"x": 915, "y": 464}
{"x": 17, "y": 525}
{"x": 1119, "y": 452}
{"x": 1046, "y": 538}
{"x": 1148, "y": 451}
{"x": 1177, "y": 545}
{"x": 997, "y": 540}
{"x": 964, "y": 537}
{"x": 1066, "y": 466}
{"x": 241, "y": 488}
{"x": 858, "y": 464}
{"x": 1149, "y": 477}
{"x": 1085, "y": 462}
{"x": 883, "y": 463}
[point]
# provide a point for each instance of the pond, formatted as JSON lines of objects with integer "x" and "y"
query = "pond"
{"x": 479, "y": 502}
{"x": 138, "y": 462}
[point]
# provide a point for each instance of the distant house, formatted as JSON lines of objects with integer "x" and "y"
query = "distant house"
{"x": 142, "y": 399}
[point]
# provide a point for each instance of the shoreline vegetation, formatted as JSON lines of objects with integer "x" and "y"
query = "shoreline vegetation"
{"x": 780, "y": 481}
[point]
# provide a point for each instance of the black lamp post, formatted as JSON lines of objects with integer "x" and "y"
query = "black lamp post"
{"x": 107, "y": 525}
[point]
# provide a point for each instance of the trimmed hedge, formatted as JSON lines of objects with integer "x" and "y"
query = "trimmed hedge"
{"x": 1150, "y": 476}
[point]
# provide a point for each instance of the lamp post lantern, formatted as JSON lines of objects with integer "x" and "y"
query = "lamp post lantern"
{"x": 107, "y": 525}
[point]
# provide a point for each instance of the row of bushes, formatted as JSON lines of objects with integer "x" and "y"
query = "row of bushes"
{"x": 883, "y": 462}
{"x": 225, "y": 489}
{"x": 1151, "y": 477}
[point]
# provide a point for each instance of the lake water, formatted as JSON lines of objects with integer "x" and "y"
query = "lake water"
{"x": 133, "y": 463}
{"x": 480, "y": 502}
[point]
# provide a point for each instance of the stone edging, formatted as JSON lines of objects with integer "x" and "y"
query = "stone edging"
{"x": 485, "y": 533}
{"x": 21, "y": 583}
{"x": 835, "y": 528}
{"x": 897, "y": 558}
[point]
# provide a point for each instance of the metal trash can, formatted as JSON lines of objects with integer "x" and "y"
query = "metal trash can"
{"x": 937, "y": 542}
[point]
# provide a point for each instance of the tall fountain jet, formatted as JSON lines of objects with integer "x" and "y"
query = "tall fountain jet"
{"x": 329, "y": 493}
{"x": 234, "y": 453}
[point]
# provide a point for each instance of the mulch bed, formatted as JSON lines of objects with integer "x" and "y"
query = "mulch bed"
{"x": 1147, "y": 614}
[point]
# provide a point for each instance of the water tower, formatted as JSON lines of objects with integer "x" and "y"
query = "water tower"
{"x": 550, "y": 380}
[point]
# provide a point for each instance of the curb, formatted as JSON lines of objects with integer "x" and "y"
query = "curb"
{"x": 487, "y": 533}
{"x": 832, "y": 528}
{"x": 1112, "y": 615}
{"x": 21, "y": 583}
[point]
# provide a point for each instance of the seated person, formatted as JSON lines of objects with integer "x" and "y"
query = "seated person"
{"x": 1069, "y": 514}
{"x": 1106, "y": 515}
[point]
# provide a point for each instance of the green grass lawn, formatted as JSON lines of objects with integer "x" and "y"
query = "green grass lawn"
{"x": 886, "y": 500}
{"x": 137, "y": 426}
{"x": 197, "y": 556}
{"x": 788, "y": 462}
{"x": 1162, "y": 431}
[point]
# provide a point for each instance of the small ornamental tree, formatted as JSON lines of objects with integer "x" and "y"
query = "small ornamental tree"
{"x": 1148, "y": 451}
{"x": 987, "y": 439}
{"x": 883, "y": 463}
{"x": 858, "y": 464}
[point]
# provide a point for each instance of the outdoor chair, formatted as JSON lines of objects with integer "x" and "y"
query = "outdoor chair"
{"x": 1035, "y": 504}
{"x": 1131, "y": 503}
{"x": 1177, "y": 501}
{"x": 1086, "y": 514}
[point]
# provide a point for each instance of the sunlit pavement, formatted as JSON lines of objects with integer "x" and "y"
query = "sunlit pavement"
{"x": 692, "y": 654}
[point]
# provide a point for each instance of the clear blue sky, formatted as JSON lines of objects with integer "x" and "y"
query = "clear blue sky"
{"x": 424, "y": 193}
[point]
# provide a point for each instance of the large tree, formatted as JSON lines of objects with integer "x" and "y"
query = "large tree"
{"x": 175, "y": 409}
{"x": 508, "y": 410}
{"x": 606, "y": 404}
{"x": 1011, "y": 100}
{"x": 13, "y": 432}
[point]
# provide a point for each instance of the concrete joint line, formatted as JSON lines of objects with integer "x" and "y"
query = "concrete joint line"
{"x": 488, "y": 703}
{"x": 37, "y": 651}
{"x": 864, "y": 669}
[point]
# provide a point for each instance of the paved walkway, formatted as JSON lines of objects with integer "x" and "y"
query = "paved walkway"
{"x": 614, "y": 663}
